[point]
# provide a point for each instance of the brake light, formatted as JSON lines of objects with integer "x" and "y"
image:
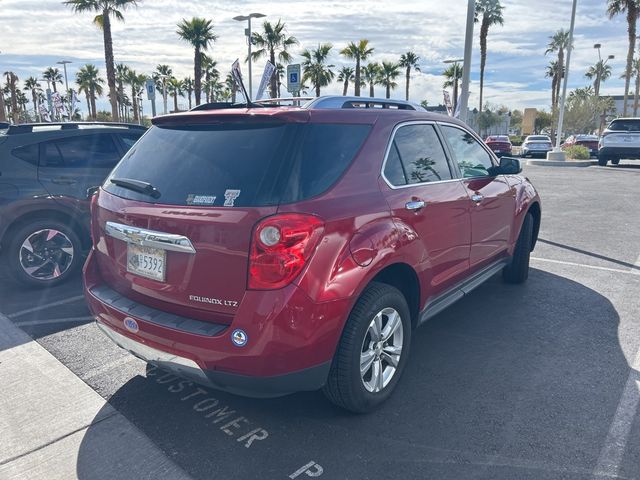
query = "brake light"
{"x": 280, "y": 248}
{"x": 93, "y": 205}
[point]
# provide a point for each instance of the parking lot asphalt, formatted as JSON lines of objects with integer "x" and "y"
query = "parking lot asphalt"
{"x": 539, "y": 381}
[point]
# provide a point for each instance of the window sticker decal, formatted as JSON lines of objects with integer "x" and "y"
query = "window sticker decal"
{"x": 193, "y": 199}
{"x": 230, "y": 197}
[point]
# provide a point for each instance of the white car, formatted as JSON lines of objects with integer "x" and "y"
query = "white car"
{"x": 536, "y": 145}
{"x": 621, "y": 139}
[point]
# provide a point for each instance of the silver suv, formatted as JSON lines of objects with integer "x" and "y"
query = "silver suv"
{"x": 621, "y": 139}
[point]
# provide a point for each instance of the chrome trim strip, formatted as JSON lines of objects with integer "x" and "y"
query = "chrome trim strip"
{"x": 149, "y": 238}
{"x": 180, "y": 365}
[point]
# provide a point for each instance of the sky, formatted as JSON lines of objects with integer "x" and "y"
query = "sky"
{"x": 35, "y": 34}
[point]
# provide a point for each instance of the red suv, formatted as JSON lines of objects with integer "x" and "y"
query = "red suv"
{"x": 264, "y": 251}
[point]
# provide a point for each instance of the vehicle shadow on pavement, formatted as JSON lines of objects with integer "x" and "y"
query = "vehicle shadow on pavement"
{"x": 511, "y": 382}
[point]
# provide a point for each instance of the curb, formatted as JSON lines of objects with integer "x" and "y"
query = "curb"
{"x": 565, "y": 163}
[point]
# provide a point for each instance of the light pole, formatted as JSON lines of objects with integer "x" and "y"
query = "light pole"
{"x": 247, "y": 32}
{"x": 164, "y": 91}
{"x": 3, "y": 115}
{"x": 455, "y": 62}
{"x": 557, "y": 153}
{"x": 66, "y": 81}
{"x": 600, "y": 68}
{"x": 466, "y": 68}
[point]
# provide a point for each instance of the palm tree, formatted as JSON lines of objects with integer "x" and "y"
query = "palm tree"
{"x": 272, "y": 40}
{"x": 122, "y": 71}
{"x": 175, "y": 88}
{"x": 31, "y": 85}
{"x": 488, "y": 13}
{"x": 388, "y": 73}
{"x": 599, "y": 72}
{"x": 89, "y": 82}
{"x": 12, "y": 84}
{"x": 161, "y": 76}
{"x": 231, "y": 85}
{"x": 199, "y": 33}
{"x": 345, "y": 75}
{"x": 3, "y": 112}
{"x": 357, "y": 51}
{"x": 187, "y": 86}
{"x": 553, "y": 73}
{"x": 315, "y": 67}
{"x": 106, "y": 9}
{"x": 453, "y": 74}
{"x": 409, "y": 60}
{"x": 371, "y": 75}
{"x": 136, "y": 82}
{"x": 559, "y": 42}
{"x": 279, "y": 74}
{"x": 636, "y": 72}
{"x": 632, "y": 9}
{"x": 53, "y": 76}
{"x": 209, "y": 71}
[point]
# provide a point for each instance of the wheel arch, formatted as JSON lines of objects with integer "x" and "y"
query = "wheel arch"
{"x": 403, "y": 277}
{"x": 536, "y": 213}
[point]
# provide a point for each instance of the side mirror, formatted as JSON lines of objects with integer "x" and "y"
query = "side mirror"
{"x": 508, "y": 166}
{"x": 91, "y": 191}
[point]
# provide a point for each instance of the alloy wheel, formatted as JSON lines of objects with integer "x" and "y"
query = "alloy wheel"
{"x": 46, "y": 254}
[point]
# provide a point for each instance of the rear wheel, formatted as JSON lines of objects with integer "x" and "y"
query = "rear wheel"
{"x": 518, "y": 270}
{"x": 372, "y": 352}
{"x": 43, "y": 253}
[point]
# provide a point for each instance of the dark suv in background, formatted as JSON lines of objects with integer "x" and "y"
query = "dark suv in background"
{"x": 45, "y": 171}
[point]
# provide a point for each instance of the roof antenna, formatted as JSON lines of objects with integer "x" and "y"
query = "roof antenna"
{"x": 237, "y": 77}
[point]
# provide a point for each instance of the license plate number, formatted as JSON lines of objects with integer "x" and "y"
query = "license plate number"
{"x": 146, "y": 262}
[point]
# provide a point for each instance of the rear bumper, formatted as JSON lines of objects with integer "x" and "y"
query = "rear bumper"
{"x": 311, "y": 378}
{"x": 631, "y": 153}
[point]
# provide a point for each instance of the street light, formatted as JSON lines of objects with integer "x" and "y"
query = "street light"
{"x": 455, "y": 62}
{"x": 247, "y": 32}
{"x": 66, "y": 82}
{"x": 466, "y": 68}
{"x": 600, "y": 67}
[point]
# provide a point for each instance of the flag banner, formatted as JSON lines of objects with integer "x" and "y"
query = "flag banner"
{"x": 269, "y": 70}
{"x": 58, "y": 105}
{"x": 447, "y": 102}
{"x": 237, "y": 76}
{"x": 74, "y": 101}
{"x": 44, "y": 113}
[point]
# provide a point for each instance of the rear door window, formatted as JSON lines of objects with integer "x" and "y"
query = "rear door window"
{"x": 239, "y": 164}
{"x": 28, "y": 153}
{"x": 93, "y": 151}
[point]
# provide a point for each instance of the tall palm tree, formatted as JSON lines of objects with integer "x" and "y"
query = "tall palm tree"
{"x": 279, "y": 74}
{"x": 122, "y": 71}
{"x": 231, "y": 85}
{"x": 632, "y": 9}
{"x": 53, "y": 76}
{"x": 161, "y": 75}
{"x": 553, "y": 73}
{"x": 209, "y": 71}
{"x": 636, "y": 72}
{"x": 315, "y": 67}
{"x": 488, "y": 13}
{"x": 346, "y": 75}
{"x": 89, "y": 82}
{"x": 187, "y": 86}
{"x": 408, "y": 61}
{"x": 599, "y": 72}
{"x": 12, "y": 84}
{"x": 136, "y": 82}
{"x": 271, "y": 42}
{"x": 359, "y": 52}
{"x": 452, "y": 76}
{"x": 175, "y": 89}
{"x": 389, "y": 71}
{"x": 106, "y": 10}
{"x": 199, "y": 33}
{"x": 559, "y": 43}
{"x": 31, "y": 85}
{"x": 371, "y": 76}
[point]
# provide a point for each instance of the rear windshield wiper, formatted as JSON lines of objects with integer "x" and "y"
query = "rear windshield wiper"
{"x": 137, "y": 186}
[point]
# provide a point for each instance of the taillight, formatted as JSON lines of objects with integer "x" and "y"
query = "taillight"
{"x": 93, "y": 205}
{"x": 280, "y": 248}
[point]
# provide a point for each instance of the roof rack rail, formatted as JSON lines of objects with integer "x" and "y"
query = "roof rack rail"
{"x": 338, "y": 101}
{"x": 29, "y": 127}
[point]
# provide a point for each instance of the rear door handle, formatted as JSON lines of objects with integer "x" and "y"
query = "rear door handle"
{"x": 415, "y": 205}
{"x": 477, "y": 197}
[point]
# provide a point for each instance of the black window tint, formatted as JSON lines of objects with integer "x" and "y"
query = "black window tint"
{"x": 393, "y": 170}
{"x": 422, "y": 158}
{"x": 28, "y": 153}
{"x": 265, "y": 164}
{"x": 129, "y": 139}
{"x": 50, "y": 155}
{"x": 627, "y": 125}
{"x": 96, "y": 151}
{"x": 472, "y": 158}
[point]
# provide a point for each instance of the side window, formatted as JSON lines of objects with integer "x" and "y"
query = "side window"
{"x": 129, "y": 139}
{"x": 28, "y": 153}
{"x": 50, "y": 155}
{"x": 416, "y": 156}
{"x": 472, "y": 158}
{"x": 97, "y": 151}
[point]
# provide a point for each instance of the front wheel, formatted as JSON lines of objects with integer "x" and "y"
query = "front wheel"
{"x": 43, "y": 253}
{"x": 372, "y": 352}
{"x": 602, "y": 161}
{"x": 518, "y": 270}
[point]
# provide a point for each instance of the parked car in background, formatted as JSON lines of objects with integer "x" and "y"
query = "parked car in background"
{"x": 621, "y": 139}
{"x": 536, "y": 145}
{"x": 590, "y": 142}
{"x": 297, "y": 248}
{"x": 45, "y": 171}
{"x": 499, "y": 144}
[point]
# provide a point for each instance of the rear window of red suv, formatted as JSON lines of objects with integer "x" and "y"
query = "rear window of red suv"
{"x": 255, "y": 164}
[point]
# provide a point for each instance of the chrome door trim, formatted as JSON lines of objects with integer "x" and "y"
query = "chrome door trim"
{"x": 149, "y": 238}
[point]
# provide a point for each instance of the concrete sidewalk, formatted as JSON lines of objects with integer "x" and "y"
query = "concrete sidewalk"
{"x": 54, "y": 426}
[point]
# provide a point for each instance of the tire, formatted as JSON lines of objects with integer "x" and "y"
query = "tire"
{"x": 602, "y": 161}
{"x": 346, "y": 386}
{"x": 518, "y": 270}
{"x": 43, "y": 253}
{"x": 615, "y": 161}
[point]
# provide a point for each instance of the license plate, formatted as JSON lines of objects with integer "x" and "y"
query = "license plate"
{"x": 146, "y": 262}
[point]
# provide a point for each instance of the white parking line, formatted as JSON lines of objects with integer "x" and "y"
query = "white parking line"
{"x": 46, "y": 321}
{"x": 594, "y": 267}
{"x": 42, "y": 307}
{"x": 615, "y": 445}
